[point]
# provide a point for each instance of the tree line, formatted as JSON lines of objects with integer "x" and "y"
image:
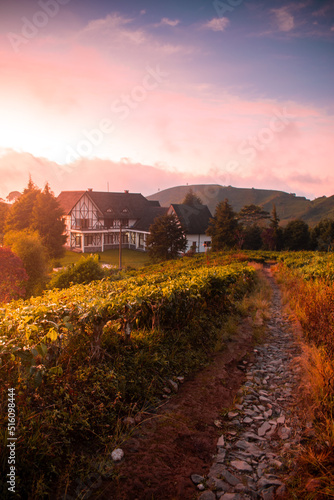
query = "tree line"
{"x": 32, "y": 229}
{"x": 253, "y": 228}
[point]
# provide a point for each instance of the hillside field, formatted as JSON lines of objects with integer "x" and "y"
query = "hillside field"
{"x": 77, "y": 363}
{"x": 82, "y": 359}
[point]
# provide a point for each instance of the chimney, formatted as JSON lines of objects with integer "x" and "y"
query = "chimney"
{"x": 126, "y": 191}
{"x": 90, "y": 189}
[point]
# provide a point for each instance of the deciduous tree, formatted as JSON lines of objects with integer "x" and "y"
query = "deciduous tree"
{"x": 296, "y": 235}
{"x": 252, "y": 237}
{"x": 322, "y": 235}
{"x": 29, "y": 247}
{"x": 4, "y": 210}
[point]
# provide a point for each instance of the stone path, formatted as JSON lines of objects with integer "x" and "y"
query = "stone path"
{"x": 261, "y": 432}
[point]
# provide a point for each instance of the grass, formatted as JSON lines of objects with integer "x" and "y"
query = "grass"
{"x": 130, "y": 258}
{"x": 312, "y": 302}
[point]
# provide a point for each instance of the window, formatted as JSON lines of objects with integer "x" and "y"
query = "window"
{"x": 109, "y": 239}
{"x": 88, "y": 240}
{"x": 125, "y": 222}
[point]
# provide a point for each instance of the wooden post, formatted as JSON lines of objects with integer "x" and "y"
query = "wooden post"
{"x": 120, "y": 247}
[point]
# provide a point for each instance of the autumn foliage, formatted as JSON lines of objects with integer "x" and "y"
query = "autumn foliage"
{"x": 12, "y": 276}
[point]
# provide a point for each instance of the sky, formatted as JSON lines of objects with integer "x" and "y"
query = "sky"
{"x": 147, "y": 95}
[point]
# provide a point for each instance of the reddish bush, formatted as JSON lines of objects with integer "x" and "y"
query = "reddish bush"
{"x": 12, "y": 276}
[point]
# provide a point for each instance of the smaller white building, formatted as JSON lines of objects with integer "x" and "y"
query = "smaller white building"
{"x": 195, "y": 221}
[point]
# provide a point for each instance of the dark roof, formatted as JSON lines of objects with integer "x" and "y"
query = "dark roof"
{"x": 117, "y": 205}
{"x": 194, "y": 219}
{"x": 113, "y": 205}
{"x": 126, "y": 205}
{"x": 144, "y": 223}
{"x": 67, "y": 199}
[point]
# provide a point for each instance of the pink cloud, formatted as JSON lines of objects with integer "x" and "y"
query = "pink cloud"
{"x": 217, "y": 24}
{"x": 284, "y": 19}
{"x": 168, "y": 22}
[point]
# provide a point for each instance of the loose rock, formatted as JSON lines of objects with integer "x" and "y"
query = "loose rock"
{"x": 262, "y": 429}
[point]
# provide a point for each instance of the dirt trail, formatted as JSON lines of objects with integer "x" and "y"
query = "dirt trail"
{"x": 181, "y": 439}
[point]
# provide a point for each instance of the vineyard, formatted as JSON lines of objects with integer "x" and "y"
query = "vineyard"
{"x": 83, "y": 358}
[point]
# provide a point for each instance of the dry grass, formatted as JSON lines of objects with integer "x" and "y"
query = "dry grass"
{"x": 312, "y": 303}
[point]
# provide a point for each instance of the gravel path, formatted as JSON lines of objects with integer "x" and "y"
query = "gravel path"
{"x": 261, "y": 433}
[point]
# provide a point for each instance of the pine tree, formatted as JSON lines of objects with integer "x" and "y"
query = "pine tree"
{"x": 251, "y": 214}
{"x": 272, "y": 236}
{"x": 223, "y": 227}
{"x": 191, "y": 199}
{"x": 20, "y": 215}
{"x": 166, "y": 239}
{"x": 277, "y": 233}
{"x": 47, "y": 221}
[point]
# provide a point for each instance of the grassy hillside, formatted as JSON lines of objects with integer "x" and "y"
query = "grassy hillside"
{"x": 288, "y": 205}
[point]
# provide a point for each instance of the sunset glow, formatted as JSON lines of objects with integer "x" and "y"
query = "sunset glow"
{"x": 152, "y": 95}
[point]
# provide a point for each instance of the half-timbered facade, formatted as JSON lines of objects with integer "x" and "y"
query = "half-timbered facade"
{"x": 95, "y": 221}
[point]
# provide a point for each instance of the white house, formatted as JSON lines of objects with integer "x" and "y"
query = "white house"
{"x": 95, "y": 221}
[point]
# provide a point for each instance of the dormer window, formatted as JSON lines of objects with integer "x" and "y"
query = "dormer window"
{"x": 125, "y": 211}
{"x": 109, "y": 210}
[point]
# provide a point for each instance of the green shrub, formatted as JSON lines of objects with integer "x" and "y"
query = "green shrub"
{"x": 87, "y": 269}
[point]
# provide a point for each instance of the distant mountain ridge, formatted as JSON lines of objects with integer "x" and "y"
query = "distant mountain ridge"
{"x": 288, "y": 205}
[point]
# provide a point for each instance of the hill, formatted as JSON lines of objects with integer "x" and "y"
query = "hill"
{"x": 288, "y": 205}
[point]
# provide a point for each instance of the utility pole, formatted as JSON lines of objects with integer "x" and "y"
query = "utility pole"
{"x": 120, "y": 246}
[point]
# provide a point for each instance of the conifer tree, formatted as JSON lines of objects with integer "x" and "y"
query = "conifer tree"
{"x": 20, "y": 215}
{"x": 167, "y": 238}
{"x": 47, "y": 221}
{"x": 251, "y": 214}
{"x": 223, "y": 227}
{"x": 191, "y": 199}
